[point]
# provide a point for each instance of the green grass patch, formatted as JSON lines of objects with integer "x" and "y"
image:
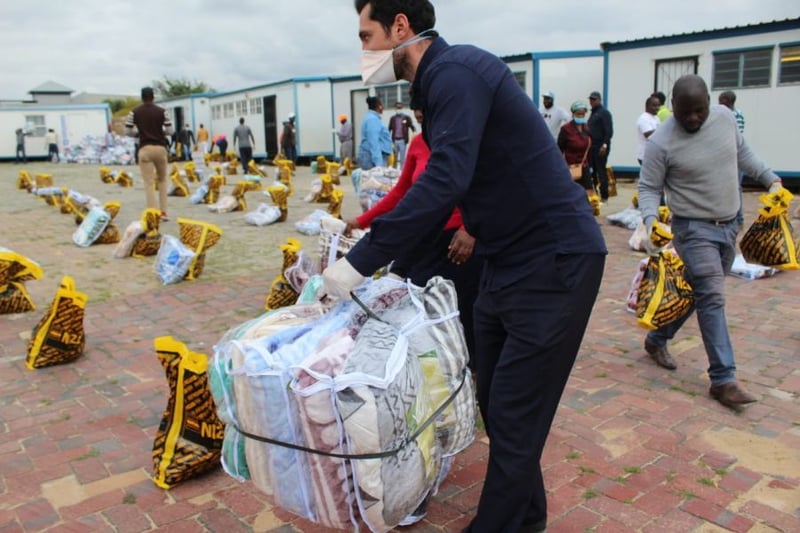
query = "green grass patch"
{"x": 588, "y": 494}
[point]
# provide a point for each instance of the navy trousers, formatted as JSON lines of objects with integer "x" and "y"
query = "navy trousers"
{"x": 527, "y": 337}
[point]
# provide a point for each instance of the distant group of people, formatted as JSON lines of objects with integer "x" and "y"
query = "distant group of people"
{"x": 378, "y": 141}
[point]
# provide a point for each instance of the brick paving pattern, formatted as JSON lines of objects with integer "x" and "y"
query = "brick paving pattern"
{"x": 633, "y": 448}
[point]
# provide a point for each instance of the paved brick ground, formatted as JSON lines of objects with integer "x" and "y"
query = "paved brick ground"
{"x": 633, "y": 448}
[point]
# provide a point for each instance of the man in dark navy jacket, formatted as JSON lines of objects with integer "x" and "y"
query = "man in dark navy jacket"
{"x": 493, "y": 157}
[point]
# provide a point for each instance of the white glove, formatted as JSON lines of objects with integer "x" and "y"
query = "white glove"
{"x": 339, "y": 279}
{"x": 650, "y": 247}
{"x": 775, "y": 187}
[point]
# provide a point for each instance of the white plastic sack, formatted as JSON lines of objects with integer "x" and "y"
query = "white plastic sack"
{"x": 263, "y": 215}
{"x": 310, "y": 225}
{"x": 94, "y": 223}
{"x": 173, "y": 260}
{"x": 630, "y": 218}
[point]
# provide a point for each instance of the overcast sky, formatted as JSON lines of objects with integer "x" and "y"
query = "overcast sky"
{"x": 117, "y": 46}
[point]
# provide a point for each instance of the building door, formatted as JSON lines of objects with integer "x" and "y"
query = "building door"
{"x": 270, "y": 127}
{"x": 669, "y": 70}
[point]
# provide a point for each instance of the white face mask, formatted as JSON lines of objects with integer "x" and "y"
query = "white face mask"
{"x": 377, "y": 66}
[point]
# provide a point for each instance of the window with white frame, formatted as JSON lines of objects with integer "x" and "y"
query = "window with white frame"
{"x": 227, "y": 110}
{"x": 241, "y": 107}
{"x": 216, "y": 112}
{"x": 737, "y": 69}
{"x": 789, "y": 69}
{"x": 255, "y": 106}
{"x": 34, "y": 125}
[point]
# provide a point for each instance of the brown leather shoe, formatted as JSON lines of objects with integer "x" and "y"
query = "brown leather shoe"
{"x": 660, "y": 355}
{"x": 731, "y": 394}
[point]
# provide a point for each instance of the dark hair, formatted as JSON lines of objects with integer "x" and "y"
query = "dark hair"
{"x": 420, "y": 13}
{"x": 730, "y": 96}
{"x": 241, "y": 120}
{"x": 373, "y": 102}
{"x": 147, "y": 93}
{"x": 661, "y": 97}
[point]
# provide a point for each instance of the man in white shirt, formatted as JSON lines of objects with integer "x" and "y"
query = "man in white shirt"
{"x": 646, "y": 124}
{"x": 554, "y": 116}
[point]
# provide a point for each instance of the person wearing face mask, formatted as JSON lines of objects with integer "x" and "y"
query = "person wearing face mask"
{"x": 543, "y": 254}
{"x": 376, "y": 145}
{"x": 574, "y": 142}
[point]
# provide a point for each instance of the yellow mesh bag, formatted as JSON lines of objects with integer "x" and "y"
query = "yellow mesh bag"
{"x": 348, "y": 166}
{"x": 124, "y": 179}
{"x": 191, "y": 172}
{"x": 59, "y": 337}
{"x": 281, "y": 293}
{"x": 325, "y": 191}
{"x": 253, "y": 168}
{"x": 179, "y": 187}
{"x": 612, "y": 182}
{"x": 105, "y": 175}
{"x": 17, "y": 267}
{"x": 285, "y": 177}
{"x": 635, "y": 200}
{"x": 283, "y": 162}
{"x": 149, "y": 242}
{"x": 321, "y": 164}
{"x": 332, "y": 170}
{"x": 771, "y": 240}
{"x": 233, "y": 164}
{"x": 335, "y": 205}
{"x": 198, "y": 236}
{"x": 44, "y": 180}
{"x": 110, "y": 235}
{"x": 14, "y": 298}
{"x": 188, "y": 441}
{"x": 112, "y": 208}
{"x": 280, "y": 197}
{"x": 664, "y": 295}
{"x": 24, "y": 181}
{"x": 214, "y": 185}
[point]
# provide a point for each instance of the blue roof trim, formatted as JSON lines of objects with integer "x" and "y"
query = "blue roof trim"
{"x": 566, "y": 54}
{"x": 738, "y": 31}
{"x": 790, "y": 43}
{"x": 189, "y": 96}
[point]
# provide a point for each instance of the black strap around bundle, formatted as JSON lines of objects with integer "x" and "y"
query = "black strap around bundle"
{"x": 373, "y": 455}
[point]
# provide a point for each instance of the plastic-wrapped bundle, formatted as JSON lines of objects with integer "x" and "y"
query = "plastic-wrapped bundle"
{"x": 198, "y": 236}
{"x": 263, "y": 215}
{"x": 382, "y": 408}
{"x": 234, "y": 459}
{"x": 333, "y": 244}
{"x": 630, "y": 217}
{"x": 92, "y": 226}
{"x": 310, "y": 224}
{"x": 225, "y": 204}
{"x": 173, "y": 260}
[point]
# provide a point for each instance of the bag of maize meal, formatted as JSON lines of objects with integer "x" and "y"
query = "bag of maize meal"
{"x": 189, "y": 438}
{"x": 59, "y": 336}
{"x": 771, "y": 240}
{"x": 198, "y": 236}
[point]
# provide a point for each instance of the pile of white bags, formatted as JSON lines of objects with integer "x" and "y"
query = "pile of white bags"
{"x": 345, "y": 417}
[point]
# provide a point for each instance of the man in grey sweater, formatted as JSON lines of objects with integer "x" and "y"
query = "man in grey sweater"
{"x": 243, "y": 136}
{"x": 694, "y": 159}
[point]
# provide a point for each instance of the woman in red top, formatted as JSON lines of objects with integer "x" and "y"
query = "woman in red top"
{"x": 574, "y": 142}
{"x": 449, "y": 255}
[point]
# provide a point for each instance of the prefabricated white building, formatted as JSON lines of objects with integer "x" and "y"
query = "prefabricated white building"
{"x": 315, "y": 101}
{"x": 570, "y": 75}
{"x": 192, "y": 109}
{"x": 70, "y": 122}
{"x": 759, "y": 62}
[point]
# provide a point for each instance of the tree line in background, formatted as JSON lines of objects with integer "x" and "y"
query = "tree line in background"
{"x": 166, "y": 88}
